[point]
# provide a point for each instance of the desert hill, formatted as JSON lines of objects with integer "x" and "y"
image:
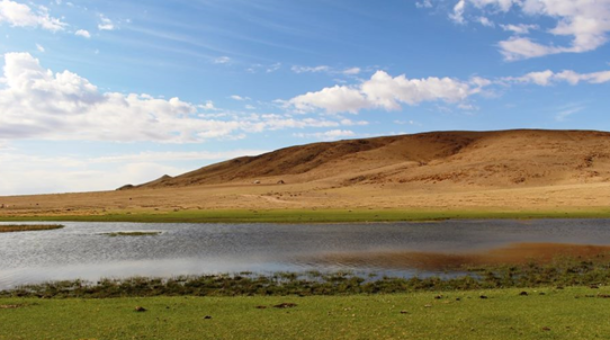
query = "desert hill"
{"x": 496, "y": 159}
{"x": 484, "y": 171}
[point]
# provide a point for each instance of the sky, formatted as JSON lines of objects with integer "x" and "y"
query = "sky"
{"x": 98, "y": 94}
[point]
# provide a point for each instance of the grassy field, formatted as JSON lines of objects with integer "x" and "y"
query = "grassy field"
{"x": 570, "y": 313}
{"x": 310, "y": 216}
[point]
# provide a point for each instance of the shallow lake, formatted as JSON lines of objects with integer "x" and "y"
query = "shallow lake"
{"x": 83, "y": 250}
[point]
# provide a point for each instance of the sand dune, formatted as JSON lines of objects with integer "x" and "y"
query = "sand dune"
{"x": 508, "y": 169}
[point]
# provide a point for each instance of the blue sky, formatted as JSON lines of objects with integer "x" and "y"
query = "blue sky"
{"x": 97, "y": 94}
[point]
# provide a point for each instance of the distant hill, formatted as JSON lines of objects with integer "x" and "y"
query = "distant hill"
{"x": 499, "y": 159}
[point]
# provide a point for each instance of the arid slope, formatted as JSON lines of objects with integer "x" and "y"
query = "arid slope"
{"x": 486, "y": 159}
{"x": 498, "y": 170}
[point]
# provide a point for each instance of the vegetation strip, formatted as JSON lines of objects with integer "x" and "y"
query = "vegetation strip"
{"x": 28, "y": 227}
{"x": 309, "y": 215}
{"x": 559, "y": 273}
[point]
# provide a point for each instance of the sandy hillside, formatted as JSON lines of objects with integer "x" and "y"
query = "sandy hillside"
{"x": 534, "y": 169}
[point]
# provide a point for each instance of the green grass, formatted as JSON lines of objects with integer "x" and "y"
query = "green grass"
{"x": 12, "y": 228}
{"x": 559, "y": 314}
{"x": 312, "y": 215}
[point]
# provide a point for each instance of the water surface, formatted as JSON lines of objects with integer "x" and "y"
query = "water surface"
{"x": 81, "y": 250}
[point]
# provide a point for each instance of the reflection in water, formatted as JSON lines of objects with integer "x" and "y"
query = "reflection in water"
{"x": 80, "y": 250}
{"x": 513, "y": 254}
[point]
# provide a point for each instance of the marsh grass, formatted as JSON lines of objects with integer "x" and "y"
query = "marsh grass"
{"x": 561, "y": 272}
{"x": 13, "y": 228}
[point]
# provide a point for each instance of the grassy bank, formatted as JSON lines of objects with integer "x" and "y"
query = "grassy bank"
{"x": 309, "y": 216}
{"x": 560, "y": 272}
{"x": 13, "y": 228}
{"x": 571, "y": 313}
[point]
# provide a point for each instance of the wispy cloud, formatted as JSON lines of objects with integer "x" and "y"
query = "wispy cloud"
{"x": 222, "y": 60}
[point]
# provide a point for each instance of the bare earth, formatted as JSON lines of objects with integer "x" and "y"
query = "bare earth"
{"x": 498, "y": 170}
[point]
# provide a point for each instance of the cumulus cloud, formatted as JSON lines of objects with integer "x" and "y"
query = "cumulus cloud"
{"x": 587, "y": 22}
{"x": 387, "y": 92}
{"x": 40, "y": 48}
{"x": 37, "y": 103}
{"x": 83, "y": 33}
{"x": 22, "y": 15}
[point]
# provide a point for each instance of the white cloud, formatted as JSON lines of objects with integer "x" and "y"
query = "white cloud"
{"x": 209, "y": 105}
{"x": 332, "y": 99}
{"x": 548, "y": 77}
{"x": 520, "y": 28}
{"x": 310, "y": 69}
{"x": 328, "y": 135}
{"x": 485, "y": 22}
{"x": 37, "y": 103}
{"x": 21, "y": 15}
{"x": 424, "y": 4}
{"x": 352, "y": 71}
{"x": 222, "y": 60}
{"x": 458, "y": 12}
{"x": 40, "y": 48}
{"x": 105, "y": 24}
{"x": 83, "y": 33}
{"x": 517, "y": 48}
{"x": 587, "y": 22}
{"x": 387, "y": 92}
{"x": 239, "y": 98}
